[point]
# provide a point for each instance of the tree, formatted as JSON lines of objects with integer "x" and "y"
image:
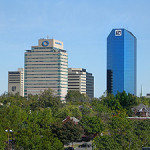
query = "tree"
{"x": 120, "y": 135}
{"x": 48, "y": 99}
{"x": 35, "y": 132}
{"x": 92, "y": 125}
{"x": 142, "y": 130}
{"x": 12, "y": 116}
{"x": 106, "y": 142}
{"x": 122, "y": 131}
{"x": 3, "y": 137}
{"x": 67, "y": 132}
{"x": 113, "y": 103}
{"x": 69, "y": 110}
{"x": 76, "y": 97}
{"x": 31, "y": 127}
{"x": 101, "y": 109}
{"x": 126, "y": 100}
{"x": 33, "y": 102}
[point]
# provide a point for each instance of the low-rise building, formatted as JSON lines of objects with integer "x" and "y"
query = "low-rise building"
{"x": 75, "y": 120}
{"x": 141, "y": 110}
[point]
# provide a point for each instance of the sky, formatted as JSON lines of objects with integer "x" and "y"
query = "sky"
{"x": 83, "y": 26}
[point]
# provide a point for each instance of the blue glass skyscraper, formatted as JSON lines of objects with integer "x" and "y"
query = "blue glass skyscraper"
{"x": 121, "y": 62}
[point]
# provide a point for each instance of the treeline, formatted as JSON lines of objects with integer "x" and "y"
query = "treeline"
{"x": 37, "y": 122}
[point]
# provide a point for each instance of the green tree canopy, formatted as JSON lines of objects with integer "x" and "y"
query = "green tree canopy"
{"x": 69, "y": 110}
{"x": 126, "y": 100}
{"x": 113, "y": 103}
{"x": 92, "y": 125}
{"x": 35, "y": 132}
{"x": 106, "y": 142}
{"x": 142, "y": 130}
{"x": 67, "y": 132}
{"x": 76, "y": 97}
{"x": 48, "y": 99}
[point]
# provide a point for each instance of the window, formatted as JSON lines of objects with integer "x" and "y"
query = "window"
{"x": 13, "y": 88}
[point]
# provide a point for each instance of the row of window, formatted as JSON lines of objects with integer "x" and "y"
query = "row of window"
{"x": 44, "y": 80}
{"x": 15, "y": 78}
{"x": 74, "y": 77}
{"x": 52, "y": 49}
{"x": 44, "y": 64}
{"x": 14, "y": 82}
{"x": 45, "y": 58}
{"x": 74, "y": 85}
{"x": 13, "y": 73}
{"x": 46, "y": 77}
{"x": 73, "y": 82}
{"x": 59, "y": 90}
{"x": 44, "y": 67}
{"x": 45, "y": 71}
{"x": 45, "y": 51}
{"x": 46, "y": 74}
{"x": 45, "y": 84}
{"x": 45, "y": 54}
{"x": 47, "y": 61}
{"x": 46, "y": 87}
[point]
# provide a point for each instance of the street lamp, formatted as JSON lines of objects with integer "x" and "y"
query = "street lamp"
{"x": 8, "y": 131}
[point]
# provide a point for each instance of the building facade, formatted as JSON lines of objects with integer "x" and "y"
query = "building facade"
{"x": 46, "y": 66}
{"x": 121, "y": 62}
{"x": 80, "y": 80}
{"x": 16, "y": 82}
{"x": 147, "y": 95}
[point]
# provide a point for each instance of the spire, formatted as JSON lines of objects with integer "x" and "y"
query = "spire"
{"x": 141, "y": 91}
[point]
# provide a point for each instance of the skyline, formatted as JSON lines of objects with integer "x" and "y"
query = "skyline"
{"x": 82, "y": 26}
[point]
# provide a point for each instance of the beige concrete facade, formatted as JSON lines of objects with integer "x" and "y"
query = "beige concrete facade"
{"x": 46, "y": 66}
{"x": 16, "y": 82}
{"x": 80, "y": 80}
{"x": 77, "y": 80}
{"x": 51, "y": 43}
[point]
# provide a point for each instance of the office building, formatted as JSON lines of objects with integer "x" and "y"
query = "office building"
{"x": 46, "y": 66}
{"x": 16, "y": 82}
{"x": 80, "y": 80}
{"x": 121, "y": 62}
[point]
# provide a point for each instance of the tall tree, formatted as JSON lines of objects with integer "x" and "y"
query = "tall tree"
{"x": 67, "y": 132}
{"x": 106, "y": 142}
{"x": 35, "y": 132}
{"x": 142, "y": 130}
{"x": 92, "y": 125}
{"x": 113, "y": 103}
{"x": 69, "y": 110}
{"x": 76, "y": 97}
{"x": 121, "y": 130}
{"x": 48, "y": 99}
{"x": 126, "y": 100}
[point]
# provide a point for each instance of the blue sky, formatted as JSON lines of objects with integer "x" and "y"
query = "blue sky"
{"x": 83, "y": 26}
